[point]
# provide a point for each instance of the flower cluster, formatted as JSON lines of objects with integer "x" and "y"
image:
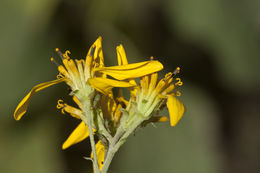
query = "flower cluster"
{"x": 104, "y": 111}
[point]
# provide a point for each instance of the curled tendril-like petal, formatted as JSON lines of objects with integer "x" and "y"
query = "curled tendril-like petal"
{"x": 61, "y": 105}
{"x": 66, "y": 54}
{"x": 179, "y": 82}
{"x": 60, "y": 76}
{"x": 178, "y": 93}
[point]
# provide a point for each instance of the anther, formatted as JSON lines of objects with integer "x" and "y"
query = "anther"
{"x": 59, "y": 53}
{"x": 55, "y": 62}
{"x": 177, "y": 70}
{"x": 151, "y": 58}
{"x": 92, "y": 51}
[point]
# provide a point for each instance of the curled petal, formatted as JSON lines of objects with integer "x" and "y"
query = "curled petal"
{"x": 23, "y": 105}
{"x": 100, "y": 148}
{"x": 94, "y": 58}
{"x": 128, "y": 71}
{"x": 74, "y": 112}
{"x": 79, "y": 134}
{"x": 176, "y": 109}
{"x": 105, "y": 85}
{"x": 96, "y": 52}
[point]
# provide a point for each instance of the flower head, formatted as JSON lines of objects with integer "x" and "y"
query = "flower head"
{"x": 86, "y": 76}
{"x": 152, "y": 96}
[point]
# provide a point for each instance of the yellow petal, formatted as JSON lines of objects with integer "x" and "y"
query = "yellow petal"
{"x": 98, "y": 53}
{"x": 121, "y": 55}
{"x": 176, "y": 109}
{"x": 23, "y": 105}
{"x": 164, "y": 83}
{"x": 153, "y": 82}
{"x": 94, "y": 58}
{"x": 105, "y": 85}
{"x": 122, "y": 60}
{"x": 100, "y": 149}
{"x": 79, "y": 134}
{"x": 129, "y": 71}
{"x": 144, "y": 84}
{"x": 169, "y": 89}
{"x": 74, "y": 112}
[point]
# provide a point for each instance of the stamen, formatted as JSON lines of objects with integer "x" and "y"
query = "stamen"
{"x": 59, "y": 53}
{"x": 151, "y": 58}
{"x": 176, "y": 71}
{"x": 55, "y": 62}
{"x": 92, "y": 51}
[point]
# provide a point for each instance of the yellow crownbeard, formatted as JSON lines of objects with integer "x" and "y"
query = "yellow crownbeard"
{"x": 89, "y": 79}
{"x": 87, "y": 76}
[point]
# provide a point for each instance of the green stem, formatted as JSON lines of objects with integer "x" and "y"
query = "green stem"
{"x": 87, "y": 118}
{"x": 110, "y": 154}
{"x": 103, "y": 130}
{"x": 117, "y": 141}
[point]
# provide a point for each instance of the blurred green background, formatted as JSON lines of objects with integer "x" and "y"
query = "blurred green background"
{"x": 215, "y": 42}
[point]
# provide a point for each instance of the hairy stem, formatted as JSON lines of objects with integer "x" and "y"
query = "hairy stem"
{"x": 88, "y": 117}
{"x": 117, "y": 141}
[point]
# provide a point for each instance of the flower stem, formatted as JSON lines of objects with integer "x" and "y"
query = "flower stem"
{"x": 87, "y": 118}
{"x": 117, "y": 141}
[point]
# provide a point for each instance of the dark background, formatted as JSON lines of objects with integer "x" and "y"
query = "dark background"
{"x": 215, "y": 42}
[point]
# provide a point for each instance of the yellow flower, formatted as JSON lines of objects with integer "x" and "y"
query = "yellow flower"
{"x": 152, "y": 96}
{"x": 123, "y": 71}
{"x": 84, "y": 75}
{"x": 103, "y": 112}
